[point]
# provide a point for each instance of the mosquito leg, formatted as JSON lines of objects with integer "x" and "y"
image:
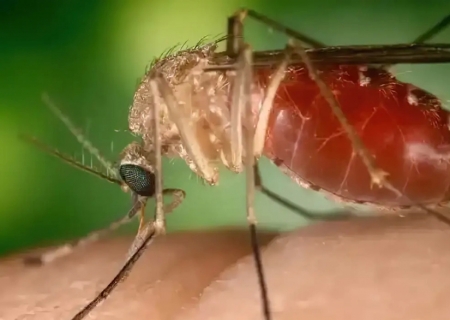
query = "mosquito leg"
{"x": 68, "y": 248}
{"x": 235, "y": 31}
{"x": 241, "y": 98}
{"x": 427, "y": 35}
{"x": 250, "y": 162}
{"x": 121, "y": 276}
{"x": 181, "y": 119}
{"x": 178, "y": 196}
{"x": 149, "y": 231}
{"x": 160, "y": 222}
{"x": 141, "y": 220}
{"x": 313, "y": 216}
{"x": 267, "y": 103}
{"x": 377, "y": 175}
{"x": 236, "y": 109}
{"x": 79, "y": 135}
{"x": 245, "y": 100}
{"x": 254, "y": 138}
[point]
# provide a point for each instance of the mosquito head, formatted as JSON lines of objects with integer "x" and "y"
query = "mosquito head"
{"x": 136, "y": 171}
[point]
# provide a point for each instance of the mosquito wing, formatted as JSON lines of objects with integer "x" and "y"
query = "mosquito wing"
{"x": 367, "y": 54}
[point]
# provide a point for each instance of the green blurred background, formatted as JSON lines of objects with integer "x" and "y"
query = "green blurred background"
{"x": 88, "y": 56}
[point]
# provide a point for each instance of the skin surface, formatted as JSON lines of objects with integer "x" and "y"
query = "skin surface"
{"x": 372, "y": 268}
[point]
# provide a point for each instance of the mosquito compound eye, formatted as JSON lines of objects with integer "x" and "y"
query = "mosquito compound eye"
{"x": 138, "y": 179}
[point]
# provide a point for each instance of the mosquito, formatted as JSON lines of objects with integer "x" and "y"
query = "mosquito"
{"x": 334, "y": 119}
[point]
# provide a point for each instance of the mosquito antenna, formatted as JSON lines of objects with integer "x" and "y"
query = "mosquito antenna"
{"x": 68, "y": 159}
{"x": 79, "y": 135}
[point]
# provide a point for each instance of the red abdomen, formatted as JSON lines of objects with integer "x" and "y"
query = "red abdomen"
{"x": 402, "y": 126}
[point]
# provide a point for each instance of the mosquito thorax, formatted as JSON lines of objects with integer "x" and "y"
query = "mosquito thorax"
{"x": 182, "y": 70}
{"x": 203, "y": 103}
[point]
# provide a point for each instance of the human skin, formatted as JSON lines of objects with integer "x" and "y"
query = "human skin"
{"x": 373, "y": 268}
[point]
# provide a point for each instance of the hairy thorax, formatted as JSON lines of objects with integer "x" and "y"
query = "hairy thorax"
{"x": 204, "y": 102}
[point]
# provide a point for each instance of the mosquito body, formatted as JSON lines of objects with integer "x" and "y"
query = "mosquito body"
{"x": 327, "y": 116}
{"x": 402, "y": 126}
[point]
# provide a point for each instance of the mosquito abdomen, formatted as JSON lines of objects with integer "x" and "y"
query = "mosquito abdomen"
{"x": 403, "y": 127}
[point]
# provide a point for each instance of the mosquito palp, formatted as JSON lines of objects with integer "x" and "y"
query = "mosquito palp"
{"x": 68, "y": 159}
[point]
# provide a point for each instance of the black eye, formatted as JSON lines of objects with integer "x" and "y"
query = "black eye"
{"x": 138, "y": 179}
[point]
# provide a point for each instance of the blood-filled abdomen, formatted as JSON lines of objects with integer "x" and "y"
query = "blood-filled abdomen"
{"x": 403, "y": 127}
